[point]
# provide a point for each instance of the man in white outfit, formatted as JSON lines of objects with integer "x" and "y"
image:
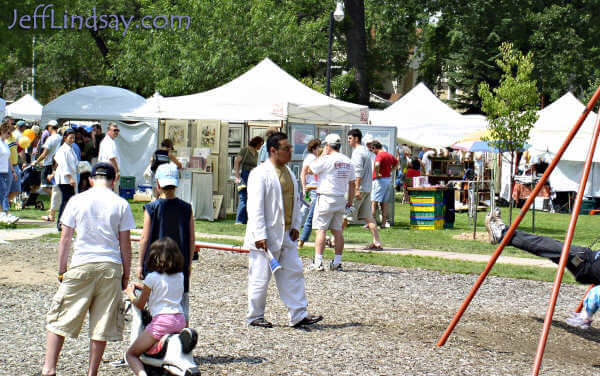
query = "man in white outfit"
{"x": 109, "y": 152}
{"x": 273, "y": 222}
{"x": 336, "y": 179}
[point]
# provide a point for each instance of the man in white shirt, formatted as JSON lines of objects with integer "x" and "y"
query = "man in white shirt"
{"x": 363, "y": 169}
{"x": 109, "y": 152}
{"x": 273, "y": 224}
{"x": 99, "y": 270}
{"x": 426, "y": 161}
{"x": 336, "y": 179}
{"x": 49, "y": 148}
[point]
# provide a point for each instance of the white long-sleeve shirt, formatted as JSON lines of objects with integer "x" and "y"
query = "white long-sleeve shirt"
{"x": 66, "y": 161}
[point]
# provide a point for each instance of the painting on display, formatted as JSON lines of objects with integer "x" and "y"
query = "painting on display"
{"x": 384, "y": 136}
{"x": 235, "y": 137}
{"x": 208, "y": 134}
{"x": 177, "y": 131}
{"x": 301, "y": 136}
{"x": 212, "y": 165}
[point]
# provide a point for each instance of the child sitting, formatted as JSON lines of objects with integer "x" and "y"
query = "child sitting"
{"x": 162, "y": 290}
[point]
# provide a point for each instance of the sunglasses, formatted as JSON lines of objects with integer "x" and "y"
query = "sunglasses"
{"x": 115, "y": 130}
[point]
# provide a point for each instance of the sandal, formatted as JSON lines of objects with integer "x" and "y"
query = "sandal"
{"x": 47, "y": 218}
{"x": 373, "y": 247}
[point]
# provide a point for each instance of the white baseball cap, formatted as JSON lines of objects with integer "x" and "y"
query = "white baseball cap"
{"x": 52, "y": 123}
{"x": 167, "y": 174}
{"x": 333, "y": 139}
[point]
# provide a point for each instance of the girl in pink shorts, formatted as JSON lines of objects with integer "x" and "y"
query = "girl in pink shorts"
{"x": 162, "y": 291}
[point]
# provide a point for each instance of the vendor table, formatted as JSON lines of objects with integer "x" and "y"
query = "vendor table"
{"x": 431, "y": 208}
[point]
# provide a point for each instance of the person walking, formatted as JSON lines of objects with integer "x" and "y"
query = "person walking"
{"x": 169, "y": 216}
{"x": 309, "y": 185}
{"x": 6, "y": 174}
{"x": 273, "y": 223}
{"x": 65, "y": 175}
{"x": 109, "y": 152}
{"x": 99, "y": 270}
{"x": 363, "y": 170}
{"x": 49, "y": 147}
{"x": 244, "y": 162}
{"x": 383, "y": 191}
{"x": 336, "y": 179}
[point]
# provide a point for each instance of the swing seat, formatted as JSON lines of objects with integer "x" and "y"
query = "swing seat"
{"x": 594, "y": 212}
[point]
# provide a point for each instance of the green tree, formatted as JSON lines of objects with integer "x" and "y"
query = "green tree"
{"x": 511, "y": 107}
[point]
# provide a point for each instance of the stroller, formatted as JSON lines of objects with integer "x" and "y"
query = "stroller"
{"x": 32, "y": 177}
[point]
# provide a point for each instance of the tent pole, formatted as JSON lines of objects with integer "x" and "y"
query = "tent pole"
{"x": 519, "y": 218}
{"x": 565, "y": 251}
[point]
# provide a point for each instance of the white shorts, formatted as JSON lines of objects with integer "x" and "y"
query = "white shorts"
{"x": 329, "y": 213}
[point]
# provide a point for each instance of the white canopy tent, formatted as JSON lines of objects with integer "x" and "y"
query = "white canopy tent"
{"x": 26, "y": 108}
{"x": 139, "y": 130}
{"x": 548, "y": 134}
{"x": 423, "y": 119}
{"x": 265, "y": 92}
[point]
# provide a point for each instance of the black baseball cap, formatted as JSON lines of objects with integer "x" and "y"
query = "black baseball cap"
{"x": 104, "y": 169}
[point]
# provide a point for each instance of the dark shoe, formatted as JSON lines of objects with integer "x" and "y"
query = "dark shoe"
{"x": 308, "y": 320}
{"x": 261, "y": 323}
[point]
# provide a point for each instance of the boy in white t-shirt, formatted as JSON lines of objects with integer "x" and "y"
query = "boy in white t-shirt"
{"x": 336, "y": 179}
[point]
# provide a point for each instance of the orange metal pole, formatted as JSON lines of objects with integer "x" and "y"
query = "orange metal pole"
{"x": 580, "y": 306}
{"x": 518, "y": 220}
{"x": 565, "y": 251}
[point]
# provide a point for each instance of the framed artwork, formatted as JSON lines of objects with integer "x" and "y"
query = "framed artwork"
{"x": 301, "y": 134}
{"x": 212, "y": 165}
{"x": 254, "y": 131}
{"x": 208, "y": 134}
{"x": 387, "y": 136}
{"x": 217, "y": 203}
{"x": 177, "y": 131}
{"x": 235, "y": 138}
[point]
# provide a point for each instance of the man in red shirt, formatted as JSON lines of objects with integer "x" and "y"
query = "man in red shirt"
{"x": 383, "y": 189}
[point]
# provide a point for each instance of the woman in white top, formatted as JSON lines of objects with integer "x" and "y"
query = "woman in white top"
{"x": 6, "y": 168}
{"x": 66, "y": 171}
{"x": 309, "y": 184}
{"x": 162, "y": 290}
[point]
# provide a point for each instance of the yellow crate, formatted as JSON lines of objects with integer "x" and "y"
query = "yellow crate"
{"x": 422, "y": 200}
{"x": 437, "y": 225}
{"x": 423, "y": 209}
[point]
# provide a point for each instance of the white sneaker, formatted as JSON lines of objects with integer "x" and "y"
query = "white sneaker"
{"x": 315, "y": 268}
{"x": 11, "y": 219}
{"x": 386, "y": 225}
{"x": 578, "y": 322}
{"x": 495, "y": 226}
{"x": 335, "y": 267}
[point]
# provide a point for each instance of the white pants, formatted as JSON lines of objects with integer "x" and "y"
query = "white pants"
{"x": 55, "y": 198}
{"x": 289, "y": 280}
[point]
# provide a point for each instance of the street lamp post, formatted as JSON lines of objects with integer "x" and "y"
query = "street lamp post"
{"x": 337, "y": 15}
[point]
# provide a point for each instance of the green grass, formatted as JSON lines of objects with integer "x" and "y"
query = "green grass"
{"x": 400, "y": 236}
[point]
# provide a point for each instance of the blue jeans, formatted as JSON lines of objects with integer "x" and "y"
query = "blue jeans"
{"x": 242, "y": 215}
{"x": 4, "y": 188}
{"x": 306, "y": 230}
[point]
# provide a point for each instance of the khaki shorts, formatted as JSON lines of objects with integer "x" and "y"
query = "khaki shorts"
{"x": 361, "y": 207}
{"x": 93, "y": 288}
{"x": 329, "y": 213}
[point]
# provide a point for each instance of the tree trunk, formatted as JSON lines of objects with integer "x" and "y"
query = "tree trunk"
{"x": 510, "y": 190}
{"x": 356, "y": 44}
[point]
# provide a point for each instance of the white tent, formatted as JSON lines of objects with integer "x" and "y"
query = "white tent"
{"x": 139, "y": 130}
{"x": 265, "y": 92}
{"x": 26, "y": 108}
{"x": 548, "y": 134}
{"x": 423, "y": 119}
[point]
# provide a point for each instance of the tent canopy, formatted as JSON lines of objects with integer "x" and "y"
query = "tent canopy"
{"x": 26, "y": 108}
{"x": 423, "y": 119}
{"x": 265, "y": 92}
{"x": 554, "y": 124}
